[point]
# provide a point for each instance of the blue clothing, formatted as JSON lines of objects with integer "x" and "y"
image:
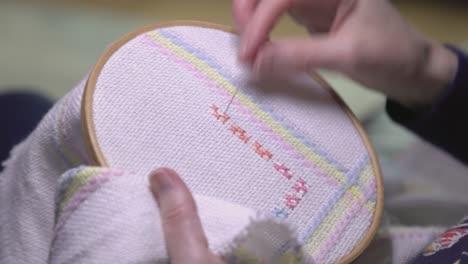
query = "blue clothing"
{"x": 446, "y": 126}
{"x": 450, "y": 247}
{"x": 20, "y": 112}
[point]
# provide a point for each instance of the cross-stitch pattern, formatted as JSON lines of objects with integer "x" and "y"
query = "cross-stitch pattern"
{"x": 291, "y": 200}
{"x": 285, "y": 152}
{"x": 125, "y": 219}
{"x": 304, "y": 162}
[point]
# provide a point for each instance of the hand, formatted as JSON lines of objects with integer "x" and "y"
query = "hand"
{"x": 367, "y": 40}
{"x": 183, "y": 232}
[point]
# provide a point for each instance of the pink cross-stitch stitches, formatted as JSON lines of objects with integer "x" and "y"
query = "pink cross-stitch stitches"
{"x": 292, "y": 201}
{"x": 240, "y": 133}
{"x": 221, "y": 117}
{"x": 301, "y": 186}
{"x": 260, "y": 150}
{"x": 283, "y": 170}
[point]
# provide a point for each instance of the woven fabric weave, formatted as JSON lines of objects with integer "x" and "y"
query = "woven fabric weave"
{"x": 28, "y": 184}
{"x": 284, "y": 149}
{"x": 95, "y": 221}
{"x": 286, "y": 137}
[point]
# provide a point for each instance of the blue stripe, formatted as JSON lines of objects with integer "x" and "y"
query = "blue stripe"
{"x": 199, "y": 54}
{"x": 63, "y": 183}
{"x": 352, "y": 178}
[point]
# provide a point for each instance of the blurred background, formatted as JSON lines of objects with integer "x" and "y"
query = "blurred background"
{"x": 50, "y": 45}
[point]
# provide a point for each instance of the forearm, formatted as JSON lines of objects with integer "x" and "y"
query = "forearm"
{"x": 443, "y": 121}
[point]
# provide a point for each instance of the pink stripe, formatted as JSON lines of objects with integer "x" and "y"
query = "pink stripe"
{"x": 273, "y": 135}
{"x": 356, "y": 208}
{"x": 84, "y": 193}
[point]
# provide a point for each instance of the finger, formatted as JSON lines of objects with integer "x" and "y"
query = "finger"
{"x": 300, "y": 54}
{"x": 315, "y": 15}
{"x": 180, "y": 221}
{"x": 345, "y": 8}
{"x": 242, "y": 11}
{"x": 256, "y": 32}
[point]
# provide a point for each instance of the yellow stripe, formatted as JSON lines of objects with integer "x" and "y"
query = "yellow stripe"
{"x": 355, "y": 191}
{"x": 78, "y": 181}
{"x": 370, "y": 205}
{"x": 337, "y": 213}
{"x": 327, "y": 226}
{"x": 275, "y": 126}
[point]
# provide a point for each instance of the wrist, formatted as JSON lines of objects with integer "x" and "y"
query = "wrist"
{"x": 435, "y": 76}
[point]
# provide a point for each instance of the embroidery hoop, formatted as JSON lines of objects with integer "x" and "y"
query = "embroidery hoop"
{"x": 98, "y": 157}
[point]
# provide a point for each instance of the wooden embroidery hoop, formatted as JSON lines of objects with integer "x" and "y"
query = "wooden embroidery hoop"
{"x": 98, "y": 158}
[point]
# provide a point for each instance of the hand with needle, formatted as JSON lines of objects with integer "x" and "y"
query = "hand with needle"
{"x": 367, "y": 40}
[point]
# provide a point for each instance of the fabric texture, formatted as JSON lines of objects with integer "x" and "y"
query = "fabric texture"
{"x": 318, "y": 173}
{"x": 268, "y": 185}
{"x": 29, "y": 181}
{"x": 94, "y": 221}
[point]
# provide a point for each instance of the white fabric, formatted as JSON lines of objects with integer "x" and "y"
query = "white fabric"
{"x": 166, "y": 120}
{"x": 110, "y": 227}
{"x": 150, "y": 111}
{"x": 118, "y": 223}
{"x": 29, "y": 181}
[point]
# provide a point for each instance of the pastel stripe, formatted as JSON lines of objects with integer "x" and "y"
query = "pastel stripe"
{"x": 90, "y": 185}
{"x": 330, "y": 244}
{"x": 172, "y": 36}
{"x": 352, "y": 177}
{"x": 64, "y": 181}
{"x": 244, "y": 100}
{"x": 74, "y": 185}
{"x": 306, "y": 163}
{"x": 340, "y": 228}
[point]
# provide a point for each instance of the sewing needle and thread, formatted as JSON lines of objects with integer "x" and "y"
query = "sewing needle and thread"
{"x": 232, "y": 99}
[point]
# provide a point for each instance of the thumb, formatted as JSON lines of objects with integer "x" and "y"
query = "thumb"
{"x": 298, "y": 54}
{"x": 185, "y": 239}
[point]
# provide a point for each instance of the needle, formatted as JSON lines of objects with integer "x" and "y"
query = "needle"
{"x": 230, "y": 102}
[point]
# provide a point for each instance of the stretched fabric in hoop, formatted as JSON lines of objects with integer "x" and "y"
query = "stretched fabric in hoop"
{"x": 286, "y": 149}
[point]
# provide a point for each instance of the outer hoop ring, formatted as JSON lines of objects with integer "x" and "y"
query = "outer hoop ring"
{"x": 98, "y": 158}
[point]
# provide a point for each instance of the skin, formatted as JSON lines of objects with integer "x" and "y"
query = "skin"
{"x": 366, "y": 40}
{"x": 185, "y": 240}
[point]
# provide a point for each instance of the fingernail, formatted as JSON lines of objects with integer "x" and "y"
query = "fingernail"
{"x": 161, "y": 180}
{"x": 244, "y": 50}
{"x": 256, "y": 69}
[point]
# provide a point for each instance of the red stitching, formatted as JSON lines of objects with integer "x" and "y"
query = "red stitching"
{"x": 301, "y": 186}
{"x": 240, "y": 133}
{"x": 292, "y": 201}
{"x": 221, "y": 117}
{"x": 283, "y": 170}
{"x": 261, "y": 151}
